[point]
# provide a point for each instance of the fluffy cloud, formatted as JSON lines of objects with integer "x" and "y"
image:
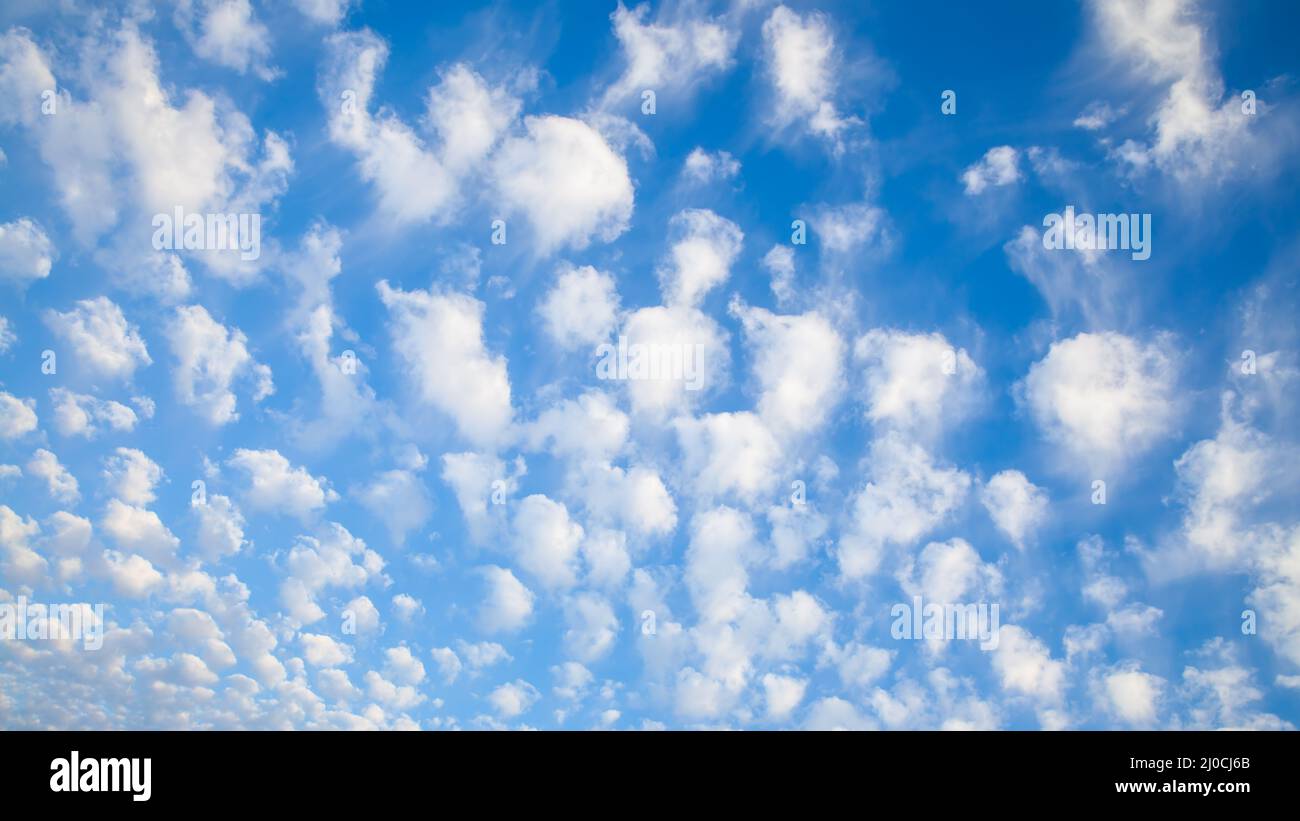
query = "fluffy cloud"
{"x": 17, "y": 416}
{"x": 999, "y": 166}
{"x": 704, "y": 246}
{"x": 100, "y": 337}
{"x": 907, "y": 496}
{"x": 546, "y": 541}
{"x": 61, "y": 484}
{"x": 1015, "y": 504}
{"x": 802, "y": 64}
{"x": 131, "y": 476}
{"x": 916, "y": 382}
{"x": 798, "y": 362}
{"x": 1105, "y": 398}
{"x": 440, "y": 339}
{"x": 226, "y": 32}
{"x": 566, "y": 181}
{"x": 507, "y": 605}
{"x": 276, "y": 486}
{"x": 336, "y": 559}
{"x": 209, "y": 357}
{"x": 729, "y": 453}
{"x": 582, "y": 309}
{"x": 26, "y": 253}
{"x": 78, "y": 414}
{"x": 670, "y": 53}
{"x": 702, "y": 167}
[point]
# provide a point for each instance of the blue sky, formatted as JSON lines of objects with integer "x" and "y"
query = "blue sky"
{"x": 471, "y": 529}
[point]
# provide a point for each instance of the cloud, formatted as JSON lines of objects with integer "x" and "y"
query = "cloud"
{"x": 672, "y": 53}
{"x": 274, "y": 485}
{"x": 78, "y": 414}
{"x": 1015, "y": 504}
{"x": 62, "y": 485}
{"x": 17, "y": 416}
{"x": 702, "y": 167}
{"x": 917, "y": 383}
{"x": 907, "y": 496}
{"x": 1106, "y": 398}
{"x": 221, "y": 528}
{"x": 507, "y": 605}
{"x": 546, "y": 542}
{"x": 440, "y": 340}
{"x": 798, "y": 362}
{"x": 226, "y": 32}
{"x": 581, "y": 310}
{"x": 998, "y": 167}
{"x": 131, "y": 476}
{"x": 704, "y": 246}
{"x": 26, "y": 253}
{"x": 512, "y": 699}
{"x": 209, "y": 358}
{"x": 100, "y": 337}
{"x": 802, "y": 65}
{"x": 566, "y": 181}
{"x": 336, "y": 559}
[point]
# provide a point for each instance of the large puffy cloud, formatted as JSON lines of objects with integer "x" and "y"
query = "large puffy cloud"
{"x": 440, "y": 339}
{"x": 1106, "y": 398}
{"x": 132, "y": 476}
{"x": 566, "y": 181}
{"x": 671, "y": 335}
{"x": 209, "y": 357}
{"x": 62, "y": 485}
{"x": 546, "y": 542}
{"x": 729, "y": 453}
{"x": 100, "y": 337}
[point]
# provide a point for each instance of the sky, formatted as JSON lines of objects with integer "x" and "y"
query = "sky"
{"x": 389, "y": 452}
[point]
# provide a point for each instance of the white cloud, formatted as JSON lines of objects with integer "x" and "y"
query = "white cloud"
{"x": 139, "y": 531}
{"x": 406, "y": 607}
{"x": 851, "y": 227}
{"x": 468, "y": 116}
{"x": 399, "y": 499}
{"x": 226, "y": 32}
{"x": 592, "y": 626}
{"x": 546, "y": 542}
{"x": 802, "y": 64}
{"x": 907, "y": 496}
{"x": 7, "y": 336}
{"x": 324, "y": 12}
{"x": 782, "y": 694}
{"x": 729, "y": 453}
{"x": 440, "y": 339}
{"x": 26, "y": 253}
{"x": 1016, "y": 505}
{"x": 779, "y": 262}
{"x": 17, "y": 416}
{"x": 209, "y": 357}
{"x": 1132, "y": 695}
{"x": 324, "y": 651}
{"x": 100, "y": 337}
{"x": 999, "y": 166}
{"x": 514, "y": 698}
{"x": 275, "y": 485}
{"x": 1025, "y": 666}
{"x": 917, "y": 383}
{"x": 566, "y": 181}
{"x": 45, "y": 466}
{"x": 677, "y": 330}
{"x": 704, "y": 246}
{"x": 336, "y": 559}
{"x": 702, "y": 167}
{"x": 132, "y": 476}
{"x": 1106, "y": 398}
{"x": 221, "y": 528}
{"x": 671, "y": 53}
{"x": 507, "y": 605}
{"x": 78, "y": 414}
{"x": 401, "y": 666}
{"x": 798, "y": 361}
{"x": 581, "y": 310}
{"x": 590, "y": 427}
